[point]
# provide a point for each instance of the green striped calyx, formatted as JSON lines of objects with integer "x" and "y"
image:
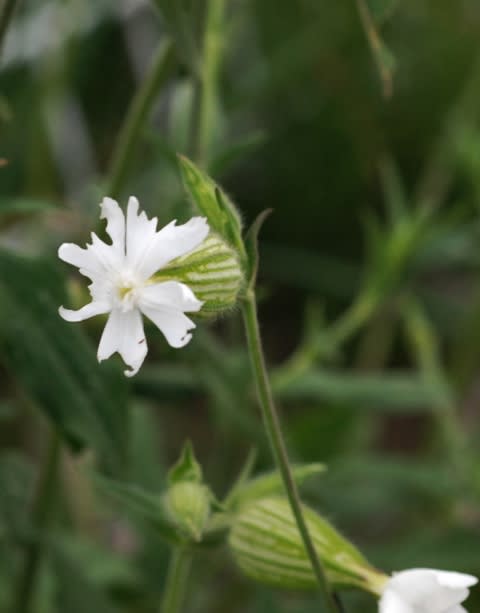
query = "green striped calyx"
{"x": 268, "y": 548}
{"x": 212, "y": 271}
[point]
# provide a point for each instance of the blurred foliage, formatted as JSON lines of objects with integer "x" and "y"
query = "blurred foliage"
{"x": 369, "y": 277}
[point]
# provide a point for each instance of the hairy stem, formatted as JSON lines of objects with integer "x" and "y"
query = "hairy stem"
{"x": 176, "y": 580}
{"x": 277, "y": 443}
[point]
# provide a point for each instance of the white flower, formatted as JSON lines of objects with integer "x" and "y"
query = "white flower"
{"x": 123, "y": 283}
{"x": 424, "y": 590}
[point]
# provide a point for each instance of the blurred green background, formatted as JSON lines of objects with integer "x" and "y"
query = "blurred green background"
{"x": 369, "y": 282}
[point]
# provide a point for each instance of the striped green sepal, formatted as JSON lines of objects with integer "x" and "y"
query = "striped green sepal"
{"x": 267, "y": 546}
{"x": 212, "y": 272}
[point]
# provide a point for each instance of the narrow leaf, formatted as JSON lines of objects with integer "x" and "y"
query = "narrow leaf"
{"x": 251, "y": 244}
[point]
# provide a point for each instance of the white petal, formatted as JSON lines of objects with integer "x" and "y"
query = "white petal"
{"x": 111, "y": 258}
{"x": 455, "y": 580}
{"x": 115, "y": 222}
{"x": 391, "y": 602}
{"x": 431, "y": 591}
{"x": 123, "y": 333}
{"x": 170, "y": 294}
{"x": 89, "y": 310}
{"x": 173, "y": 324}
{"x": 171, "y": 242}
{"x": 140, "y": 232}
{"x": 458, "y": 609}
{"x": 84, "y": 259}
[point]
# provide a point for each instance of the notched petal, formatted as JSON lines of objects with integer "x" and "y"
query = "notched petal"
{"x": 123, "y": 333}
{"x": 89, "y": 310}
{"x": 174, "y": 325}
{"x": 115, "y": 222}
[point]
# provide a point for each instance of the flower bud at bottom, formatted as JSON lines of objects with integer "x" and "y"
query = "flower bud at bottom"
{"x": 188, "y": 504}
{"x": 267, "y": 546}
{"x": 213, "y": 273}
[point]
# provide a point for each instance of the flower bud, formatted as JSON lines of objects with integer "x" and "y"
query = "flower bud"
{"x": 267, "y": 546}
{"x": 212, "y": 272}
{"x": 188, "y": 505}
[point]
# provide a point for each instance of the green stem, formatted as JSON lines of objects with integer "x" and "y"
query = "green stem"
{"x": 5, "y": 18}
{"x": 176, "y": 580}
{"x": 205, "y": 92}
{"x": 25, "y": 587}
{"x": 274, "y": 432}
{"x": 131, "y": 131}
{"x": 376, "y": 47}
{"x": 333, "y": 338}
{"x": 425, "y": 346}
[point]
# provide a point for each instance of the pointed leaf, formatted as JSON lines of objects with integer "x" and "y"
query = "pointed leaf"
{"x": 251, "y": 244}
{"x": 271, "y": 483}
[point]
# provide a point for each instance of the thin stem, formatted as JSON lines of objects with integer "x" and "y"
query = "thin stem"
{"x": 205, "y": 92}
{"x": 5, "y": 18}
{"x": 140, "y": 107}
{"x": 25, "y": 587}
{"x": 176, "y": 580}
{"x": 332, "y": 338}
{"x": 274, "y": 432}
{"x": 376, "y": 47}
{"x": 425, "y": 346}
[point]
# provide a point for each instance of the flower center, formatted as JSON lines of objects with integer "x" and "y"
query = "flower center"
{"x": 126, "y": 293}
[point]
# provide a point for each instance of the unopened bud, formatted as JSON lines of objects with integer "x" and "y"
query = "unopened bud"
{"x": 188, "y": 505}
{"x": 267, "y": 546}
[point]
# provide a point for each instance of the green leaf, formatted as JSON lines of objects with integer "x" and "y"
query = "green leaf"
{"x": 187, "y": 468}
{"x": 244, "y": 475}
{"x": 23, "y": 206}
{"x": 251, "y": 244}
{"x": 391, "y": 392}
{"x": 271, "y": 484}
{"x": 56, "y": 364}
{"x": 143, "y": 505}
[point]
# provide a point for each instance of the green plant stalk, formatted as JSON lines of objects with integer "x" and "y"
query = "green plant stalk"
{"x": 5, "y": 18}
{"x": 425, "y": 347}
{"x": 178, "y": 571}
{"x": 159, "y": 73}
{"x": 376, "y": 47}
{"x": 277, "y": 443}
{"x": 26, "y": 582}
{"x": 336, "y": 335}
{"x": 205, "y": 91}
